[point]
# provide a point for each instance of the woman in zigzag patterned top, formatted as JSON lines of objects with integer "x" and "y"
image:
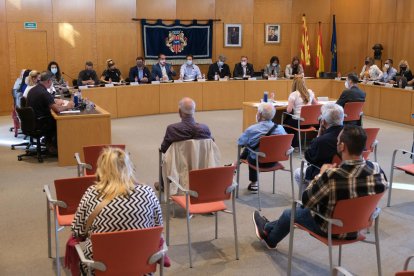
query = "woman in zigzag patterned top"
{"x": 130, "y": 205}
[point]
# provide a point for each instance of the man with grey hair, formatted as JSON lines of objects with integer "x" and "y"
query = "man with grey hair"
{"x": 42, "y": 102}
{"x": 323, "y": 148}
{"x": 219, "y": 69}
{"x": 251, "y": 137}
{"x": 186, "y": 129}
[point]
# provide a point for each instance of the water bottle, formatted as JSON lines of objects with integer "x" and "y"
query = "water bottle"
{"x": 265, "y": 96}
{"x": 216, "y": 77}
{"x": 76, "y": 99}
{"x": 80, "y": 96}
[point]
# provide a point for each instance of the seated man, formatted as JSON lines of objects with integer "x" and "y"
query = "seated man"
{"x": 42, "y": 101}
{"x": 162, "y": 71}
{"x": 243, "y": 69}
{"x": 323, "y": 148}
{"x": 187, "y": 128}
{"x": 140, "y": 73}
{"x": 329, "y": 186}
{"x": 352, "y": 93}
{"x": 190, "y": 71}
{"x": 220, "y": 68}
{"x": 88, "y": 76}
{"x": 389, "y": 71}
{"x": 251, "y": 137}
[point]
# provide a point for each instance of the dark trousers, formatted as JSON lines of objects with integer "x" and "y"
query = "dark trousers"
{"x": 293, "y": 123}
{"x": 48, "y": 128}
{"x": 252, "y": 172}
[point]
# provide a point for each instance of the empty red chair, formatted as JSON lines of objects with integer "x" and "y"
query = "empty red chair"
{"x": 372, "y": 143}
{"x": 129, "y": 252}
{"x": 91, "y": 154}
{"x": 69, "y": 192}
{"x": 408, "y": 168}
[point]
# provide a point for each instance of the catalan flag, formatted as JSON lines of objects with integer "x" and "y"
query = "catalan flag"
{"x": 305, "y": 58}
{"x": 334, "y": 62}
{"x": 320, "y": 64}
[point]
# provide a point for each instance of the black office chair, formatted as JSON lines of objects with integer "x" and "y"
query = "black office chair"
{"x": 28, "y": 126}
{"x": 17, "y": 129}
{"x": 74, "y": 82}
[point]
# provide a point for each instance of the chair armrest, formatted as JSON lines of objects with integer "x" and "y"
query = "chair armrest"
{"x": 293, "y": 116}
{"x": 404, "y": 151}
{"x": 158, "y": 255}
{"x": 407, "y": 262}
{"x": 91, "y": 263}
{"x": 374, "y": 144}
{"x": 289, "y": 151}
{"x": 257, "y": 153}
{"x": 191, "y": 193}
{"x": 231, "y": 188}
{"x": 52, "y": 200}
{"x": 375, "y": 214}
{"x": 80, "y": 163}
{"x": 336, "y": 222}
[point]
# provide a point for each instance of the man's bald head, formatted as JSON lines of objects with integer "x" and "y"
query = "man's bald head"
{"x": 187, "y": 107}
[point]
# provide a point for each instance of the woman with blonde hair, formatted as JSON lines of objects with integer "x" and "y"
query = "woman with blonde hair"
{"x": 31, "y": 80}
{"x": 299, "y": 97}
{"x": 111, "y": 73}
{"x": 404, "y": 72}
{"x": 123, "y": 204}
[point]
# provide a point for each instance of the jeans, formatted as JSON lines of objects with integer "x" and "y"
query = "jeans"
{"x": 278, "y": 229}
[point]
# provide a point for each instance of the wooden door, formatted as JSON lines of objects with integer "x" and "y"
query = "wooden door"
{"x": 31, "y": 50}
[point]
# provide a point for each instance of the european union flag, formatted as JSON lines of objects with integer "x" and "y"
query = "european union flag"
{"x": 334, "y": 62}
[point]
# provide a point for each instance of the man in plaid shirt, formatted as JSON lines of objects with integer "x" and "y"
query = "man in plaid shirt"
{"x": 353, "y": 178}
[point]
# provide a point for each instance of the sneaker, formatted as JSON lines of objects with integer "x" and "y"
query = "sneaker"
{"x": 253, "y": 187}
{"x": 259, "y": 224}
{"x": 266, "y": 242}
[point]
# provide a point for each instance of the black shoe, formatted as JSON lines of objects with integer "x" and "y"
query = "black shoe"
{"x": 259, "y": 224}
{"x": 253, "y": 187}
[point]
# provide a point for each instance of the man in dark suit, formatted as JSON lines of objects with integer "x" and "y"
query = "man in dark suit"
{"x": 243, "y": 68}
{"x": 162, "y": 71}
{"x": 352, "y": 93}
{"x": 220, "y": 68}
{"x": 140, "y": 73}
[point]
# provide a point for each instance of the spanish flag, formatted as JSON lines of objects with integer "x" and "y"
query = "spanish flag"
{"x": 304, "y": 48}
{"x": 320, "y": 64}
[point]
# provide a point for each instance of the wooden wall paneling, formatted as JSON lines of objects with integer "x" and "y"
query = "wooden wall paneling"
{"x": 395, "y": 105}
{"x": 29, "y": 10}
{"x": 382, "y": 11}
{"x": 405, "y": 11}
{"x": 350, "y": 11}
{"x": 119, "y": 42}
{"x": 404, "y": 41}
{"x": 337, "y": 88}
{"x": 138, "y": 100}
{"x": 272, "y": 11}
{"x": 254, "y": 90}
{"x": 74, "y": 11}
{"x": 75, "y": 43}
{"x": 223, "y": 95}
{"x": 2, "y": 10}
{"x": 315, "y": 10}
{"x": 104, "y": 97}
{"x": 171, "y": 94}
{"x": 6, "y": 80}
{"x": 235, "y": 11}
{"x": 372, "y": 101}
{"x": 321, "y": 88}
{"x": 115, "y": 11}
{"x": 190, "y": 9}
{"x": 351, "y": 38}
{"x": 383, "y": 34}
{"x": 156, "y": 9}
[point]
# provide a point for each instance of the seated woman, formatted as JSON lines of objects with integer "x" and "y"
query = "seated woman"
{"x": 370, "y": 71}
{"x": 111, "y": 73}
{"x": 116, "y": 185}
{"x": 273, "y": 68}
{"x": 299, "y": 97}
{"x": 31, "y": 80}
{"x": 404, "y": 72}
{"x": 295, "y": 69}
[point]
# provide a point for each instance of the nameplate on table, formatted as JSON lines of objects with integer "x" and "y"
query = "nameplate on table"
{"x": 134, "y": 83}
{"x": 389, "y": 85}
{"x": 223, "y": 79}
{"x": 370, "y": 83}
{"x": 271, "y": 78}
{"x": 155, "y": 82}
{"x": 252, "y": 78}
{"x": 178, "y": 81}
{"x": 83, "y": 87}
{"x": 109, "y": 85}
{"x": 69, "y": 111}
{"x": 408, "y": 88}
{"x": 201, "y": 80}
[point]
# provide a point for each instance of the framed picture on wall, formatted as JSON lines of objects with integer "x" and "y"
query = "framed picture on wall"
{"x": 232, "y": 35}
{"x": 272, "y": 33}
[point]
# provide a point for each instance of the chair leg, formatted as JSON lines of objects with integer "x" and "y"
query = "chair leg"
{"x": 300, "y": 145}
{"x": 302, "y": 177}
{"x": 340, "y": 255}
{"x": 391, "y": 178}
{"x": 258, "y": 182}
{"x": 236, "y": 239}
{"x": 57, "y": 244}
{"x": 274, "y": 182}
{"x": 160, "y": 176}
{"x": 49, "y": 232}
{"x": 377, "y": 247}
{"x": 216, "y": 220}
{"x": 238, "y": 170}
{"x": 167, "y": 200}
{"x": 188, "y": 229}
{"x": 330, "y": 247}
{"x": 291, "y": 178}
{"x": 291, "y": 235}
{"x": 39, "y": 150}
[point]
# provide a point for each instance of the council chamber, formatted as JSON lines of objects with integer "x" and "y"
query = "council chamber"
{"x": 177, "y": 137}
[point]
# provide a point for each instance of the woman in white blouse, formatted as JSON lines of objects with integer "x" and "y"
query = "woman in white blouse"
{"x": 299, "y": 97}
{"x": 370, "y": 71}
{"x": 31, "y": 81}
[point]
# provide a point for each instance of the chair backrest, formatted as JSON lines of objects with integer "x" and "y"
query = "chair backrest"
{"x": 336, "y": 159}
{"x": 275, "y": 147}
{"x": 27, "y": 120}
{"x": 355, "y": 213}
{"x": 310, "y": 114}
{"x": 353, "y": 110}
{"x": 405, "y": 273}
{"x": 211, "y": 184}
{"x": 372, "y": 134}
{"x": 71, "y": 190}
{"x": 126, "y": 252}
{"x": 91, "y": 155}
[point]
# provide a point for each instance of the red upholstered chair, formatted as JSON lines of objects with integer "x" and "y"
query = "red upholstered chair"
{"x": 350, "y": 215}
{"x": 208, "y": 189}
{"x": 406, "y": 272}
{"x": 69, "y": 192}
{"x": 372, "y": 143}
{"x": 91, "y": 154}
{"x": 309, "y": 116}
{"x": 129, "y": 252}
{"x": 353, "y": 111}
{"x": 272, "y": 149}
{"x": 408, "y": 168}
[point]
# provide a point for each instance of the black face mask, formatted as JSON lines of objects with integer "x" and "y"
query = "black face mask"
{"x": 295, "y": 65}
{"x": 366, "y": 62}
{"x": 403, "y": 69}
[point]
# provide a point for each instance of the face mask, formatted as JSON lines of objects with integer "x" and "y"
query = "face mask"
{"x": 403, "y": 68}
{"x": 189, "y": 62}
{"x": 243, "y": 63}
{"x": 366, "y": 62}
{"x": 274, "y": 64}
{"x": 295, "y": 65}
{"x": 386, "y": 66}
{"x": 53, "y": 70}
{"x": 346, "y": 84}
{"x": 220, "y": 63}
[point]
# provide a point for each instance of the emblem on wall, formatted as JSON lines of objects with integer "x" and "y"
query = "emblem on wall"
{"x": 176, "y": 41}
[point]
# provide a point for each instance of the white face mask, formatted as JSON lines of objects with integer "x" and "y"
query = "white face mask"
{"x": 53, "y": 70}
{"x": 347, "y": 85}
{"x": 220, "y": 63}
{"x": 243, "y": 63}
{"x": 274, "y": 64}
{"x": 189, "y": 62}
{"x": 386, "y": 66}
